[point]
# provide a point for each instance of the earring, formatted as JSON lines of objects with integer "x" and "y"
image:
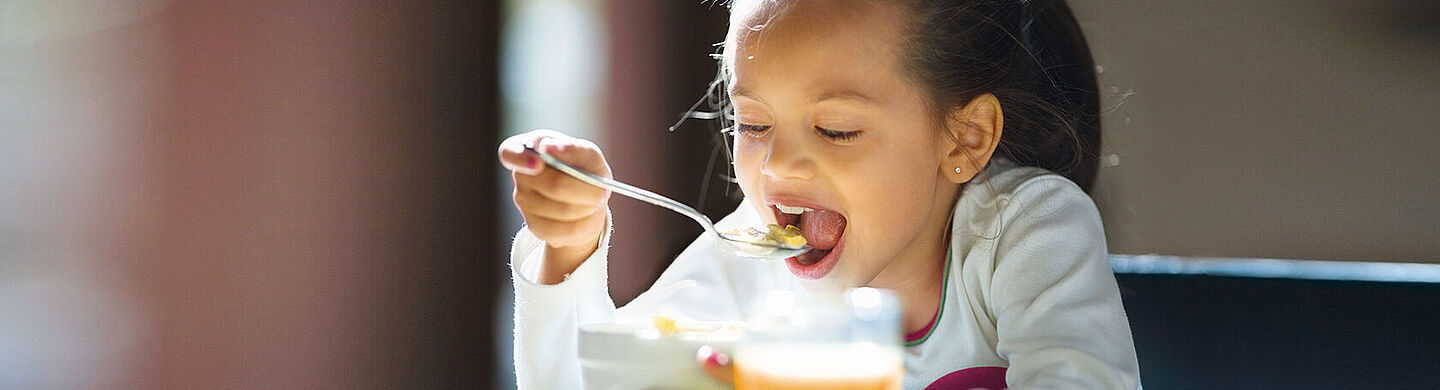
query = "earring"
{"x": 957, "y": 169}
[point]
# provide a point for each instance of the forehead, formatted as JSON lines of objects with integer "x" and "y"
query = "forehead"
{"x": 820, "y": 46}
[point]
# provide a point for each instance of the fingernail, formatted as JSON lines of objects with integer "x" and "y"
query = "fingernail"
{"x": 705, "y": 353}
{"x": 530, "y": 161}
{"x": 718, "y": 359}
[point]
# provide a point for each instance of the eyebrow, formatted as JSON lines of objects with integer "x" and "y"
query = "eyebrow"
{"x": 830, "y": 94}
{"x": 844, "y": 94}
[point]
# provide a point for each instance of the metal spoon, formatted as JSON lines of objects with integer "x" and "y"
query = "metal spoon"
{"x": 737, "y": 244}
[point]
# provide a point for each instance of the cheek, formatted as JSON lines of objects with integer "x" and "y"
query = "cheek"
{"x": 898, "y": 192}
{"x": 748, "y": 155}
{"x": 902, "y": 172}
{"x": 748, "y": 158}
{"x": 894, "y": 200}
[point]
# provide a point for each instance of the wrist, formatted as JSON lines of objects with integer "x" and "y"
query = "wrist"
{"x": 561, "y": 257}
{"x": 560, "y": 261}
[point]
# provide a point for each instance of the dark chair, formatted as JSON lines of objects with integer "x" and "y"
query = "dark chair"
{"x": 1282, "y": 324}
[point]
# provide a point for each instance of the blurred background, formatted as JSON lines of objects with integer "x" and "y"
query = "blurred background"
{"x": 304, "y": 194}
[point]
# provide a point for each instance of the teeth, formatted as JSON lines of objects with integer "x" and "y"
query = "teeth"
{"x": 792, "y": 210}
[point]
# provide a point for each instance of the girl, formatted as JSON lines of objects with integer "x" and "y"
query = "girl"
{"x": 936, "y": 148}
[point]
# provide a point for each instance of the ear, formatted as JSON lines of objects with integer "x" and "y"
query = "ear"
{"x": 974, "y": 134}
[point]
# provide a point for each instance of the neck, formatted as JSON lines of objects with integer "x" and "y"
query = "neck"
{"x": 916, "y": 275}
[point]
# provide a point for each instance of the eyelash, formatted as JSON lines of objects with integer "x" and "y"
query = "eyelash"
{"x": 741, "y": 128}
{"x": 837, "y": 135}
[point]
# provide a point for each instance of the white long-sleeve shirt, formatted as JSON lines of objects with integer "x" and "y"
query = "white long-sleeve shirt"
{"x": 1028, "y": 294}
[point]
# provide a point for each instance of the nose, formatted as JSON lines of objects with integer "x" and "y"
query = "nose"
{"x": 788, "y": 157}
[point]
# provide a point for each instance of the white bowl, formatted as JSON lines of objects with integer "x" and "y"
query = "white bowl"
{"x": 636, "y": 356}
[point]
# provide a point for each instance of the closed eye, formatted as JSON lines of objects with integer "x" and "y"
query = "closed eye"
{"x": 837, "y": 135}
{"x": 749, "y": 129}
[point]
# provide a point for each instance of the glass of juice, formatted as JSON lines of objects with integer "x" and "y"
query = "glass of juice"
{"x": 842, "y": 340}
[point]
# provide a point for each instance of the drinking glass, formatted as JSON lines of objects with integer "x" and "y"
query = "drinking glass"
{"x": 840, "y": 340}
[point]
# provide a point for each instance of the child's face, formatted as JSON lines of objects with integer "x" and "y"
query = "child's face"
{"x": 827, "y": 120}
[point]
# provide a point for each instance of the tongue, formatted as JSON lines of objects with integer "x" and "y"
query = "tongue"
{"x": 822, "y": 229}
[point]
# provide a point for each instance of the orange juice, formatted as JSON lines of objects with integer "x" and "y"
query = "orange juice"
{"x": 819, "y": 366}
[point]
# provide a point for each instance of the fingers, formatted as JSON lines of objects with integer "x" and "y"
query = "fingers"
{"x": 514, "y": 157}
{"x": 580, "y": 153}
{"x": 560, "y": 187}
{"x": 521, "y": 162}
{"x": 583, "y": 233}
{"x": 716, "y": 364}
{"x": 540, "y": 204}
{"x": 559, "y": 209}
{"x": 533, "y": 181}
{"x": 577, "y": 152}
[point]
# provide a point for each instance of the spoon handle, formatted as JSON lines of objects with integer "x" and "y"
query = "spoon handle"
{"x": 624, "y": 189}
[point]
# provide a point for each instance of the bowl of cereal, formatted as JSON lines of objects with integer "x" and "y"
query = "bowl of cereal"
{"x": 656, "y": 355}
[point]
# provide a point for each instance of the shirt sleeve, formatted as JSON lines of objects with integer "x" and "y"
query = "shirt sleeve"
{"x": 1059, "y": 317}
{"x": 547, "y": 317}
{"x": 703, "y": 283}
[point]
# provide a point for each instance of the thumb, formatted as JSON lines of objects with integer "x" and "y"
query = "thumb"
{"x": 717, "y": 364}
{"x": 514, "y": 157}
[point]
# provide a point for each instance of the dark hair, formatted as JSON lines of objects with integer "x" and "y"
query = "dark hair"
{"x": 1030, "y": 54}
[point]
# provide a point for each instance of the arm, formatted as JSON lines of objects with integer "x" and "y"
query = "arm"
{"x": 548, "y": 316}
{"x": 1058, "y": 312}
{"x": 558, "y": 258}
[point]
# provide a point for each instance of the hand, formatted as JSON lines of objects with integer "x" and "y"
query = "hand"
{"x": 566, "y": 213}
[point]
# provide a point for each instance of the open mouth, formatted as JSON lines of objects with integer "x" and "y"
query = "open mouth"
{"x": 824, "y": 230}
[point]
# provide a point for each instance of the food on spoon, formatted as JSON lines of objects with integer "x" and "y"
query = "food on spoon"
{"x": 787, "y": 237}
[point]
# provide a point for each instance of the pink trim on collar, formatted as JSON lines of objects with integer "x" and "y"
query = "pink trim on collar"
{"x": 989, "y": 378}
{"x": 919, "y": 334}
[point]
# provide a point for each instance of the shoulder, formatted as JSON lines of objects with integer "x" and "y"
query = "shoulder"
{"x": 1008, "y": 196}
{"x": 1039, "y": 277}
